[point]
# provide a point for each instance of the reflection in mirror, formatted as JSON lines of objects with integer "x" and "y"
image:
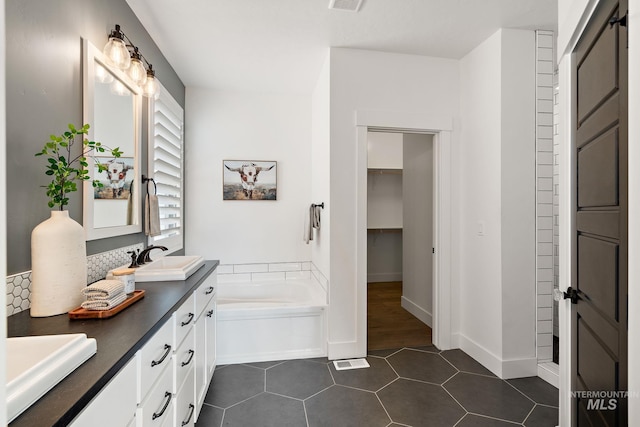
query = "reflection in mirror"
{"x": 112, "y": 107}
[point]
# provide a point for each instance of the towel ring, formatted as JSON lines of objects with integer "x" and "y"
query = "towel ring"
{"x": 145, "y": 179}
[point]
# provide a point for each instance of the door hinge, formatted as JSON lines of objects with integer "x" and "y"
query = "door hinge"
{"x": 433, "y": 250}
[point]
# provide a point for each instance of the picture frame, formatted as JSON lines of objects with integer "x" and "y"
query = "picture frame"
{"x": 249, "y": 180}
{"x": 116, "y": 180}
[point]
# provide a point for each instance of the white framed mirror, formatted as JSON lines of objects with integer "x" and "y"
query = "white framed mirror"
{"x": 112, "y": 105}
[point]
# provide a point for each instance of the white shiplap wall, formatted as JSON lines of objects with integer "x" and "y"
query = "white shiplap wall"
{"x": 545, "y": 66}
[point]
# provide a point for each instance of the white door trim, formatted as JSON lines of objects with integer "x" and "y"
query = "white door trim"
{"x": 416, "y": 122}
{"x": 566, "y": 239}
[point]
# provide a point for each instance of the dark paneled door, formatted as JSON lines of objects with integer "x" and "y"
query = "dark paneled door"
{"x": 600, "y": 338}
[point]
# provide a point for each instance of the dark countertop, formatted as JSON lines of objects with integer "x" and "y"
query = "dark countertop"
{"x": 118, "y": 339}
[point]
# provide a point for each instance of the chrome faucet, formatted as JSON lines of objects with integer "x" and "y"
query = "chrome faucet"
{"x": 144, "y": 257}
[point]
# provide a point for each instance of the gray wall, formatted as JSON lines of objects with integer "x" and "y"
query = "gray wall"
{"x": 44, "y": 93}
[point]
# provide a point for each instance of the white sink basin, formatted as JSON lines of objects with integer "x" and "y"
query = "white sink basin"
{"x": 169, "y": 268}
{"x": 36, "y": 364}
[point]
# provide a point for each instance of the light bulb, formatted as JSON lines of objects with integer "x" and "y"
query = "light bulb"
{"x": 150, "y": 87}
{"x": 137, "y": 72}
{"x": 118, "y": 88}
{"x": 102, "y": 75}
{"x": 117, "y": 53}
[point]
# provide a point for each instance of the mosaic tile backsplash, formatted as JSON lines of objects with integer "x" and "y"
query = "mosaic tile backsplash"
{"x": 19, "y": 285}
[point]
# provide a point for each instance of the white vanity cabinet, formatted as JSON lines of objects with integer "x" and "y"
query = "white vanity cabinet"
{"x": 211, "y": 317}
{"x": 118, "y": 394}
{"x": 205, "y": 338}
{"x": 186, "y": 401}
{"x": 184, "y": 361}
{"x": 157, "y": 409}
{"x": 155, "y": 391}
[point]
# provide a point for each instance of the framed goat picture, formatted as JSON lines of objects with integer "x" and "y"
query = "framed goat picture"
{"x": 116, "y": 178}
{"x": 249, "y": 180}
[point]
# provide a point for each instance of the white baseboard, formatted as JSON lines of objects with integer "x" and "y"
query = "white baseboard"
{"x": 505, "y": 369}
{"x": 384, "y": 277}
{"x": 413, "y": 308}
{"x": 344, "y": 350}
{"x": 550, "y": 372}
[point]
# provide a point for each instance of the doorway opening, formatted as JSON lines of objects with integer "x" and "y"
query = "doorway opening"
{"x": 400, "y": 181}
{"x": 440, "y": 127}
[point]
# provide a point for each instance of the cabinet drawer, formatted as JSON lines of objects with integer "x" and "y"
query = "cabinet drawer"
{"x": 184, "y": 318}
{"x": 154, "y": 357}
{"x": 157, "y": 407}
{"x": 119, "y": 393}
{"x": 185, "y": 403}
{"x": 205, "y": 292}
{"x": 184, "y": 359}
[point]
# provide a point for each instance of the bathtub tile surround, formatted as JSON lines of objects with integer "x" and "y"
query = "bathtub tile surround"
{"x": 237, "y": 273}
{"x": 311, "y": 392}
{"x": 19, "y": 285}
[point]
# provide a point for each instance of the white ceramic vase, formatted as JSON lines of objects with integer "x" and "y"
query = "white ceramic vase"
{"x": 58, "y": 264}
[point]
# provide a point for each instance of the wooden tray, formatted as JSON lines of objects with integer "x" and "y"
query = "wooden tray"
{"x": 83, "y": 313}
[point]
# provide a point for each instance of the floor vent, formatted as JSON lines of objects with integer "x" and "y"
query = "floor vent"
{"x": 349, "y": 5}
{"x": 343, "y": 365}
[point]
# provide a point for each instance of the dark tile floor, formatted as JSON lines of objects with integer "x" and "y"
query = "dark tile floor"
{"x": 406, "y": 387}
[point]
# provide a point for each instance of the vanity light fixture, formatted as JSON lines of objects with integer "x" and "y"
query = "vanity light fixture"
{"x": 150, "y": 86}
{"x": 137, "y": 72}
{"x": 122, "y": 53}
{"x": 116, "y": 49}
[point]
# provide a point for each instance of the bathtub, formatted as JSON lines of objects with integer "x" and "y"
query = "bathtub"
{"x": 270, "y": 320}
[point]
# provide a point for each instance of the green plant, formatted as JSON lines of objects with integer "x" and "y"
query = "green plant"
{"x": 66, "y": 172}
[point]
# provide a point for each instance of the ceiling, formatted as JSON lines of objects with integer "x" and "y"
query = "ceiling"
{"x": 280, "y": 45}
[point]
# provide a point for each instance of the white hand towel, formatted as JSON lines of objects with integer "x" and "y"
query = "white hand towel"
{"x": 104, "y": 304}
{"x": 151, "y": 216}
{"x": 103, "y": 289}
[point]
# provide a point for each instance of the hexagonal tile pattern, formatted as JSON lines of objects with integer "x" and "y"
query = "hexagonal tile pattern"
{"x": 537, "y": 390}
{"x": 471, "y": 420}
{"x": 542, "y": 416}
{"x": 269, "y": 409}
{"x": 210, "y": 416}
{"x": 18, "y": 289}
{"x": 372, "y": 379}
{"x": 416, "y": 403}
{"x": 466, "y": 399}
{"x": 420, "y": 365}
{"x": 233, "y": 384}
{"x": 286, "y": 378}
{"x": 18, "y": 292}
{"x": 463, "y": 362}
{"x": 492, "y": 397}
{"x": 342, "y": 406}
